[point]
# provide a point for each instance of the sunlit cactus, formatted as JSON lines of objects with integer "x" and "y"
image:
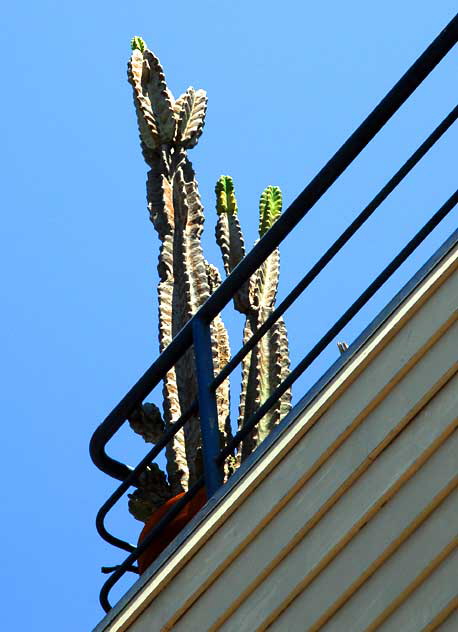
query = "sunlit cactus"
{"x": 264, "y": 368}
{"x": 270, "y": 206}
{"x": 229, "y": 236}
{"x": 168, "y": 128}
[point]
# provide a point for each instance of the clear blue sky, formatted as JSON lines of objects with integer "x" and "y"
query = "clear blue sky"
{"x": 287, "y": 83}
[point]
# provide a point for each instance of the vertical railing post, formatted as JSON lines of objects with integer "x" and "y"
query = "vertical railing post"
{"x": 208, "y": 411}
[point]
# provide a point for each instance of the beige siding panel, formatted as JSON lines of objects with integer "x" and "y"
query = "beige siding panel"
{"x": 427, "y": 602}
{"x": 293, "y": 465}
{"x": 329, "y": 480}
{"x": 451, "y": 622}
{"x": 326, "y": 585}
{"x": 364, "y": 498}
{"x": 421, "y": 548}
{"x": 417, "y": 556}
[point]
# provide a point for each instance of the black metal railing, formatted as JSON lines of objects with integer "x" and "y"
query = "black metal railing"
{"x": 197, "y": 331}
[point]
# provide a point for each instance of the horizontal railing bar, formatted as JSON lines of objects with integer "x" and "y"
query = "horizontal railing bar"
{"x": 354, "y": 145}
{"x": 155, "y": 531}
{"x": 131, "y": 400}
{"x": 110, "y": 569}
{"x": 132, "y": 477}
{"x": 338, "y": 245}
{"x": 340, "y": 324}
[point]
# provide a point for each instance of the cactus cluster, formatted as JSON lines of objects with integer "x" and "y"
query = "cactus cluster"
{"x": 264, "y": 368}
{"x": 168, "y": 128}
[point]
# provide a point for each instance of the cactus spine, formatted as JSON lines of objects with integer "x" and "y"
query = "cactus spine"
{"x": 168, "y": 128}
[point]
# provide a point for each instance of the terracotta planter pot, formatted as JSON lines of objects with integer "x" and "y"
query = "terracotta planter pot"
{"x": 171, "y": 530}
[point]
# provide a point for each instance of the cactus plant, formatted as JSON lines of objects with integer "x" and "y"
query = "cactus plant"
{"x": 168, "y": 128}
{"x": 267, "y": 365}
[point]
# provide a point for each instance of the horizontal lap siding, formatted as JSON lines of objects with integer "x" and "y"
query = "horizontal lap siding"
{"x": 426, "y": 603}
{"x": 252, "y": 585}
{"x": 383, "y": 559}
{"x": 348, "y": 540}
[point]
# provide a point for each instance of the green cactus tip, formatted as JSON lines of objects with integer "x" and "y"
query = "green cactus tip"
{"x": 137, "y": 43}
{"x": 225, "y": 196}
{"x": 270, "y": 205}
